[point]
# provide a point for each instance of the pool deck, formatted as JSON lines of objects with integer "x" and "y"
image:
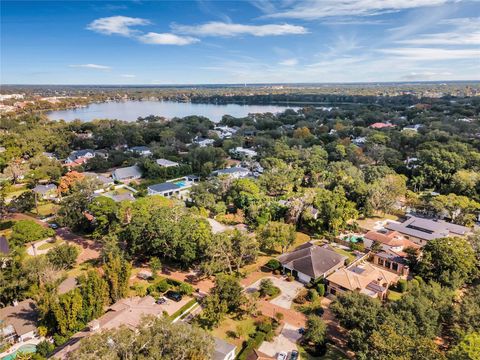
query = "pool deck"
{"x": 17, "y": 346}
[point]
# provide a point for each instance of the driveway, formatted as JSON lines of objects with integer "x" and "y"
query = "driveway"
{"x": 218, "y": 227}
{"x": 89, "y": 248}
{"x": 288, "y": 291}
{"x": 285, "y": 341}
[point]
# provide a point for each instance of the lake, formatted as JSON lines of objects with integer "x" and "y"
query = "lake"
{"x": 131, "y": 110}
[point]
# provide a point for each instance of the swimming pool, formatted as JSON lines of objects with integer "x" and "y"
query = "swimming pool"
{"x": 353, "y": 238}
{"x": 180, "y": 183}
{"x": 27, "y": 348}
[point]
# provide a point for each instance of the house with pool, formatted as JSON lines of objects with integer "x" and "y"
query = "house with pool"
{"x": 19, "y": 322}
{"x": 176, "y": 188}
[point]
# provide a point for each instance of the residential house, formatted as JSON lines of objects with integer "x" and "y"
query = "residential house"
{"x": 223, "y": 350}
{"x": 243, "y": 152}
{"x": 79, "y": 156}
{"x": 20, "y": 321}
{"x": 359, "y": 141}
{"x": 103, "y": 181}
{"x": 258, "y": 355}
{"x": 178, "y": 188}
{"x": 393, "y": 261}
{"x": 381, "y": 125}
{"x": 126, "y": 312}
{"x": 203, "y": 142}
{"x": 233, "y": 172}
{"x": 311, "y": 262}
{"x": 363, "y": 277}
{"x": 50, "y": 155}
{"x": 166, "y": 163}
{"x": 127, "y": 173}
{"x": 414, "y": 128}
{"x": 422, "y": 230}
{"x": 224, "y": 132}
{"x": 141, "y": 150}
{"x": 46, "y": 192}
{"x": 388, "y": 240}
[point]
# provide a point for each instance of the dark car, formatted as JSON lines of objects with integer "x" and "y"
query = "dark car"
{"x": 301, "y": 331}
{"x": 172, "y": 295}
{"x": 53, "y": 226}
{"x": 294, "y": 355}
{"x": 161, "y": 301}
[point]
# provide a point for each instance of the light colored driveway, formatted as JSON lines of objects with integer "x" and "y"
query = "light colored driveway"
{"x": 288, "y": 291}
{"x": 218, "y": 227}
{"x": 285, "y": 341}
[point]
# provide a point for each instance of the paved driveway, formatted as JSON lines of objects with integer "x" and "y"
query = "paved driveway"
{"x": 285, "y": 341}
{"x": 288, "y": 291}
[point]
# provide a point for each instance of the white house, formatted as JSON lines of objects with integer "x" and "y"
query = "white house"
{"x": 177, "y": 188}
{"x": 141, "y": 150}
{"x": 127, "y": 173}
{"x": 243, "y": 152}
{"x": 203, "y": 142}
{"x": 80, "y": 154}
{"x": 233, "y": 172}
{"x": 223, "y": 350}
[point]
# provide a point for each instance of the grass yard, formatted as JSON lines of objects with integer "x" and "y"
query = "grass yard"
{"x": 240, "y": 328}
{"x": 346, "y": 253}
{"x": 49, "y": 245}
{"x": 394, "y": 295}
{"x": 47, "y": 209}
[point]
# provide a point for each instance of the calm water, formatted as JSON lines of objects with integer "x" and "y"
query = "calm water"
{"x": 131, "y": 110}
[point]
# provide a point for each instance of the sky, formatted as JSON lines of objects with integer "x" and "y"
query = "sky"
{"x": 221, "y": 42}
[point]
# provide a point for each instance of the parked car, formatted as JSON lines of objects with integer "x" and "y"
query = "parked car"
{"x": 282, "y": 356}
{"x": 53, "y": 226}
{"x": 172, "y": 295}
{"x": 160, "y": 301}
{"x": 294, "y": 355}
{"x": 301, "y": 331}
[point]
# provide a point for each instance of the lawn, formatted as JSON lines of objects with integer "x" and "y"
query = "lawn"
{"x": 235, "y": 331}
{"x": 47, "y": 209}
{"x": 394, "y": 295}
{"x": 346, "y": 253}
{"x": 49, "y": 245}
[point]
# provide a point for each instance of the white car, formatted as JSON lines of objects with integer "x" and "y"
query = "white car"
{"x": 282, "y": 356}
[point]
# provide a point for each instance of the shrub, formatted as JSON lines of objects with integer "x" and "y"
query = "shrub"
{"x": 312, "y": 295}
{"x": 268, "y": 289}
{"x": 140, "y": 290}
{"x": 276, "y": 272}
{"x": 279, "y": 316}
{"x": 185, "y": 289}
{"x": 44, "y": 348}
{"x": 161, "y": 286}
{"x": 321, "y": 289}
{"x": 402, "y": 285}
{"x": 273, "y": 264}
{"x": 290, "y": 278}
{"x": 301, "y": 297}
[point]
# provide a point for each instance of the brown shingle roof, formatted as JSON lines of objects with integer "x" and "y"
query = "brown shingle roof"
{"x": 23, "y": 317}
{"x": 313, "y": 261}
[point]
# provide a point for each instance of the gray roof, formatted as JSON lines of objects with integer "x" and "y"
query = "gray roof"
{"x": 103, "y": 179}
{"x": 165, "y": 162}
{"x": 427, "y": 229}
{"x": 22, "y": 317}
{"x": 4, "y": 247}
{"x": 43, "y": 189}
{"x": 222, "y": 349}
{"x": 312, "y": 260}
{"x": 80, "y": 153}
{"x": 231, "y": 170}
{"x": 166, "y": 186}
{"x": 128, "y": 172}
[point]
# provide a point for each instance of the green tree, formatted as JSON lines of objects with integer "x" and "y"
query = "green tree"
{"x": 24, "y": 231}
{"x": 229, "y": 291}
{"x": 117, "y": 274}
{"x": 155, "y": 338}
{"x": 450, "y": 261}
{"x": 467, "y": 349}
{"x": 24, "y": 202}
{"x": 276, "y": 234}
{"x": 105, "y": 212}
{"x": 67, "y": 311}
{"x": 63, "y": 256}
{"x": 94, "y": 291}
{"x": 155, "y": 266}
{"x": 315, "y": 331}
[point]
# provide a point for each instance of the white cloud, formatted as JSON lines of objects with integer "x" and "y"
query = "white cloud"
{"x": 315, "y": 9}
{"x": 91, "y": 66}
{"x": 166, "y": 39}
{"x": 426, "y": 75}
{"x": 289, "y": 62}
{"x": 466, "y": 31}
{"x": 432, "y": 54}
{"x": 128, "y": 76}
{"x": 216, "y": 28}
{"x": 118, "y": 25}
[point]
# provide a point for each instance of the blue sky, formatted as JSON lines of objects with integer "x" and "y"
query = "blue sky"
{"x": 258, "y": 41}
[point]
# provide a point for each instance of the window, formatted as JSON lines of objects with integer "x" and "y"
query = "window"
{"x": 388, "y": 264}
{"x": 395, "y": 266}
{"x": 380, "y": 261}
